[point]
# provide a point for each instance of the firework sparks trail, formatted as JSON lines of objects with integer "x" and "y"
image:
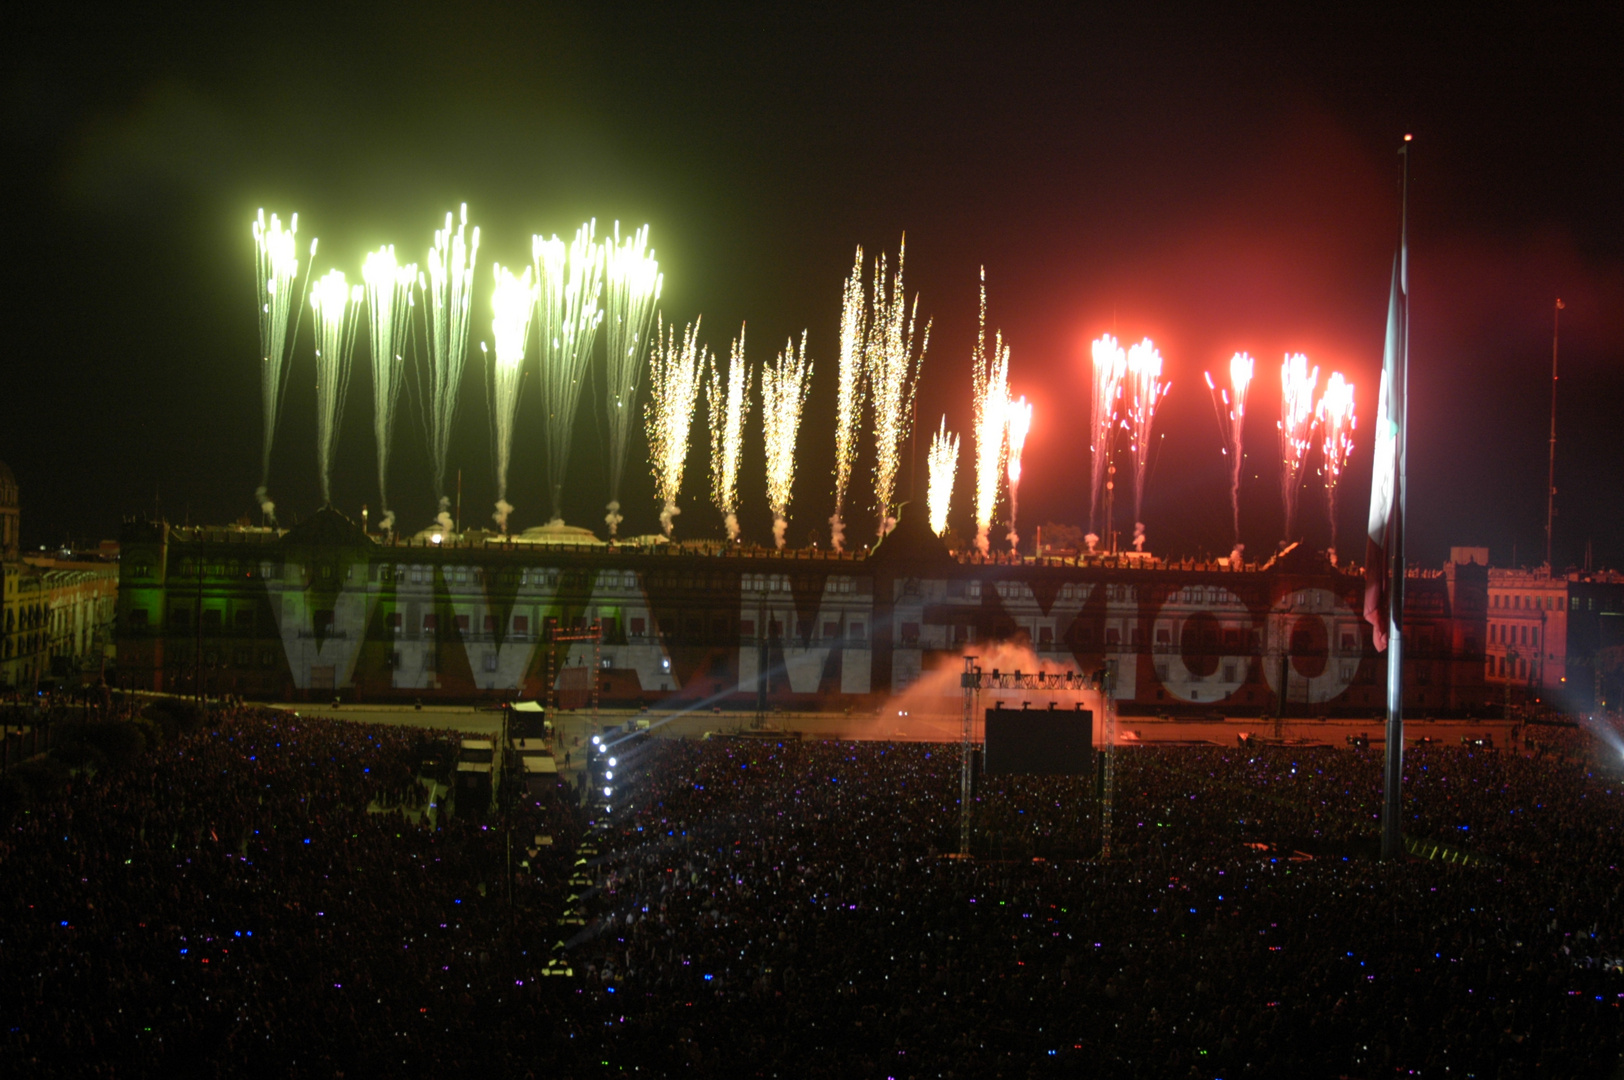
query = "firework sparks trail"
{"x": 570, "y": 283}
{"x": 1336, "y": 420}
{"x": 513, "y": 300}
{"x": 448, "y": 293}
{"x": 1296, "y": 428}
{"x": 276, "y": 268}
{"x": 632, "y": 284}
{"x": 1018, "y": 420}
{"x": 1146, "y": 391}
{"x": 335, "y": 302}
{"x": 990, "y": 392}
{"x": 1110, "y": 368}
{"x": 675, "y": 372}
{"x": 1231, "y": 426}
{"x": 944, "y": 468}
{"x": 389, "y": 309}
{"x": 729, "y": 408}
{"x": 784, "y": 386}
{"x": 893, "y": 376}
{"x": 853, "y": 382}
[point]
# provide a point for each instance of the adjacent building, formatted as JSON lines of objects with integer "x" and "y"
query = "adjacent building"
{"x": 56, "y": 612}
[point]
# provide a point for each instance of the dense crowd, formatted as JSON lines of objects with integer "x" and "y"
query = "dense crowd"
{"x": 784, "y": 910}
{"x": 263, "y": 894}
{"x": 253, "y": 896}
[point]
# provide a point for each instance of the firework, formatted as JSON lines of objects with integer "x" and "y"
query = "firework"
{"x": 893, "y": 376}
{"x": 512, "y": 302}
{"x": 1110, "y": 368}
{"x": 990, "y": 388}
{"x": 944, "y": 468}
{"x": 570, "y": 283}
{"x": 335, "y": 302}
{"x": 1231, "y": 425}
{"x": 853, "y": 382}
{"x": 729, "y": 408}
{"x": 389, "y": 304}
{"x": 1297, "y": 383}
{"x": 276, "y": 268}
{"x": 1018, "y": 421}
{"x": 673, "y": 378}
{"x": 784, "y": 385}
{"x": 632, "y": 283}
{"x": 1335, "y": 413}
{"x": 1146, "y": 391}
{"x": 448, "y": 293}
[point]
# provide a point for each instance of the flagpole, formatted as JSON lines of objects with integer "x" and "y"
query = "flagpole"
{"x": 1393, "y": 773}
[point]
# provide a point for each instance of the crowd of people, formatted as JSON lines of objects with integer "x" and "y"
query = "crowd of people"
{"x": 787, "y": 910}
{"x": 263, "y": 894}
{"x": 258, "y": 895}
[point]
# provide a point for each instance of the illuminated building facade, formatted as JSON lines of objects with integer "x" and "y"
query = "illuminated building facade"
{"x": 1544, "y": 632}
{"x": 56, "y": 615}
{"x": 324, "y": 610}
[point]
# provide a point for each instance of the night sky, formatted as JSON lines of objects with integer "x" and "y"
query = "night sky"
{"x": 1220, "y": 184}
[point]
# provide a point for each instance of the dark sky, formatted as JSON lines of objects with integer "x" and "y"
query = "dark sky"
{"x": 1221, "y": 183}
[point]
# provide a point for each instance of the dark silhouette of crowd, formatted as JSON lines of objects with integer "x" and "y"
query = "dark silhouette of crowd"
{"x": 269, "y": 894}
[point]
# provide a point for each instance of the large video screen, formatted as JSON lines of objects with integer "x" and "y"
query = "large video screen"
{"x": 1045, "y": 742}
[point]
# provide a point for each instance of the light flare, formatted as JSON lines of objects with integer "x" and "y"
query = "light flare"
{"x": 893, "y": 375}
{"x": 569, "y": 283}
{"x": 1229, "y": 403}
{"x": 276, "y": 269}
{"x": 675, "y": 372}
{"x": 389, "y": 310}
{"x": 1336, "y": 419}
{"x": 1296, "y": 430}
{"x": 335, "y": 302}
{"x": 852, "y": 384}
{"x": 989, "y": 375}
{"x": 729, "y": 408}
{"x": 1110, "y": 368}
{"x": 1018, "y": 420}
{"x": 632, "y": 285}
{"x": 448, "y": 293}
{"x": 513, "y": 301}
{"x": 1145, "y": 393}
{"x": 944, "y": 468}
{"x": 785, "y": 382}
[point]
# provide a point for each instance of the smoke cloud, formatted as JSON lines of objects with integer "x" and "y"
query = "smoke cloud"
{"x": 780, "y": 526}
{"x": 668, "y": 512}
{"x": 613, "y": 518}
{"x": 837, "y": 533}
{"x": 266, "y": 506}
{"x": 503, "y": 509}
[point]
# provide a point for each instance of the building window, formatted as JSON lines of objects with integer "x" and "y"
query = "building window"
{"x": 462, "y": 624}
{"x": 910, "y": 633}
{"x": 323, "y": 621}
{"x": 266, "y": 658}
{"x": 859, "y": 631}
{"x": 639, "y": 627}
{"x": 431, "y": 621}
{"x": 395, "y": 621}
{"x": 245, "y": 618}
{"x": 490, "y": 624}
{"x": 138, "y": 618}
{"x": 521, "y": 624}
{"x": 1113, "y": 636}
{"x": 747, "y": 628}
{"x": 490, "y": 662}
{"x": 180, "y": 617}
